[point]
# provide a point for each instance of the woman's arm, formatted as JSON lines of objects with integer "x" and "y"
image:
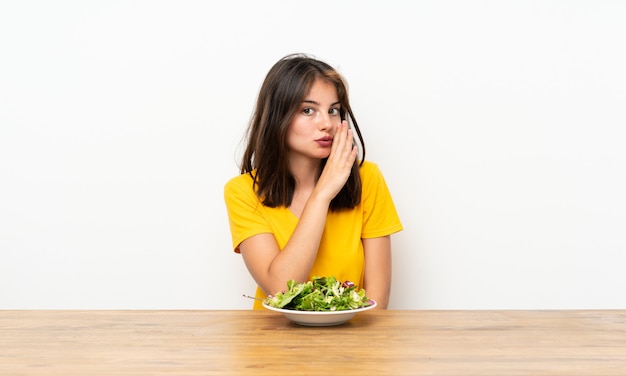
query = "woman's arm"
{"x": 377, "y": 279}
{"x": 270, "y": 267}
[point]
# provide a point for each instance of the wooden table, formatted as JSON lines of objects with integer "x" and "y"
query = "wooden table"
{"x": 265, "y": 343}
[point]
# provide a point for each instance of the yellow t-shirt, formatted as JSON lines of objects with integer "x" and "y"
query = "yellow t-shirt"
{"x": 341, "y": 252}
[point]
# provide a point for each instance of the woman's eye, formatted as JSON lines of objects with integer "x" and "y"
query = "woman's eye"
{"x": 307, "y": 111}
{"x": 334, "y": 111}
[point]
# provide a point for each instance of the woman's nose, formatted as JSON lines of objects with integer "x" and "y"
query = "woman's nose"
{"x": 326, "y": 122}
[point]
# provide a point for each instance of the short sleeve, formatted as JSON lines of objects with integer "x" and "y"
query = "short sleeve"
{"x": 245, "y": 214}
{"x": 380, "y": 217}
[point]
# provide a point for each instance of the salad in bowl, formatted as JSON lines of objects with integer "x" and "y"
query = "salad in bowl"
{"x": 322, "y": 301}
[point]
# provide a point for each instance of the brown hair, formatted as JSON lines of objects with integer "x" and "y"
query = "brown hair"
{"x": 282, "y": 92}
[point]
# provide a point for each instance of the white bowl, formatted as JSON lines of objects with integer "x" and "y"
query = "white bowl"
{"x": 319, "y": 318}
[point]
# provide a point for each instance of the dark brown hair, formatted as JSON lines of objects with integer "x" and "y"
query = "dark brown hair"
{"x": 280, "y": 97}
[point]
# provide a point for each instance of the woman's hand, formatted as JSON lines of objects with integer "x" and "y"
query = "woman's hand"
{"x": 339, "y": 164}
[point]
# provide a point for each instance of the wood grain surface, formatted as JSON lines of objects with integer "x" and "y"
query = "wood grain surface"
{"x": 265, "y": 343}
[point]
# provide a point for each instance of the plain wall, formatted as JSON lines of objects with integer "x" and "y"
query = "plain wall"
{"x": 499, "y": 126}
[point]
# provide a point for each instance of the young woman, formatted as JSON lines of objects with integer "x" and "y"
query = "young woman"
{"x": 305, "y": 205}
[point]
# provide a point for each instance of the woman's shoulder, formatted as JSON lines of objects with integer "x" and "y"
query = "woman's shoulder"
{"x": 369, "y": 168}
{"x": 371, "y": 176}
{"x": 239, "y": 182}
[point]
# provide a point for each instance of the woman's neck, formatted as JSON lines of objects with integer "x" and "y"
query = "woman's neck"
{"x": 305, "y": 172}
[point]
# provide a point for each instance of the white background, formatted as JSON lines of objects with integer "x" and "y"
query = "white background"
{"x": 499, "y": 126}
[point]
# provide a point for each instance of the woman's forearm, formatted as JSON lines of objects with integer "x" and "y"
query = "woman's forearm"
{"x": 297, "y": 257}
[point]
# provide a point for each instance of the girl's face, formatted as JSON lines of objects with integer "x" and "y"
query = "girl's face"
{"x": 311, "y": 131}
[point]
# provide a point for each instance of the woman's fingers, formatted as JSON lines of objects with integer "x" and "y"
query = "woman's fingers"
{"x": 339, "y": 164}
{"x": 343, "y": 147}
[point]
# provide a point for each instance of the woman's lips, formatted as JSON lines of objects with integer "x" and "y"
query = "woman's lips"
{"x": 324, "y": 142}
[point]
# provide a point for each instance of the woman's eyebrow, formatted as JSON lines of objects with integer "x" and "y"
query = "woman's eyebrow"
{"x": 317, "y": 103}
